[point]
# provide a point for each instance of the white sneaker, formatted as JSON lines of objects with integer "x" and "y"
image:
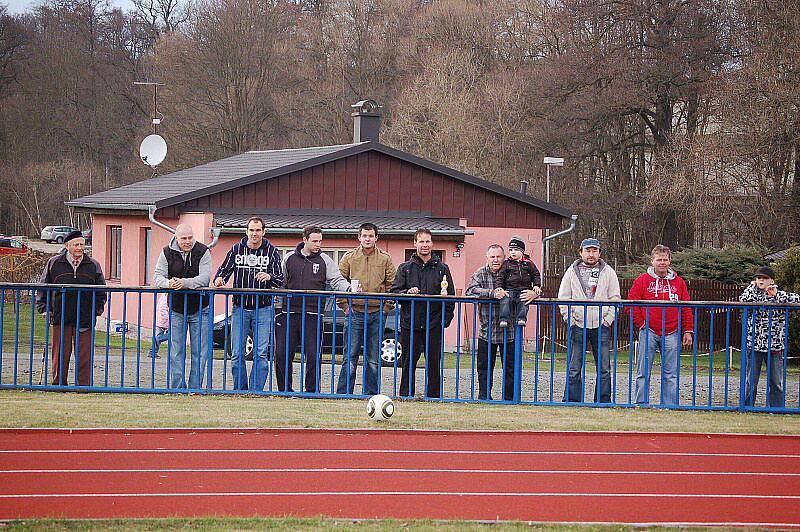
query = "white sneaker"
{"x": 522, "y": 322}
{"x": 503, "y": 324}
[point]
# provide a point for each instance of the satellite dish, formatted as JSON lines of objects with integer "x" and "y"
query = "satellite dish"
{"x": 153, "y": 150}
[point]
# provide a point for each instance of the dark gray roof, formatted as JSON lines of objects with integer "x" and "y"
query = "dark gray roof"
{"x": 777, "y": 255}
{"x": 334, "y": 221}
{"x": 255, "y": 166}
{"x": 205, "y": 177}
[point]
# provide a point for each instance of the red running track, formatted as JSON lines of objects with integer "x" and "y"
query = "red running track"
{"x": 532, "y": 476}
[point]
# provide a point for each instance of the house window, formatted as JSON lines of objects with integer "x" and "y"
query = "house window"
{"x": 115, "y": 252}
{"x": 145, "y": 273}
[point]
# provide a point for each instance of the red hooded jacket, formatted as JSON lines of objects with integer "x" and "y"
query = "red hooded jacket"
{"x": 650, "y": 286}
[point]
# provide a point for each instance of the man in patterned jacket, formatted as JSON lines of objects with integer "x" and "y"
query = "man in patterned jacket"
{"x": 766, "y": 337}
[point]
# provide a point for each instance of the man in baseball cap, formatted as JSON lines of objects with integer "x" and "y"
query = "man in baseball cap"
{"x": 589, "y": 277}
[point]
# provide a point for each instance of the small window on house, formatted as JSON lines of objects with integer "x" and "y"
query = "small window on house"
{"x": 145, "y": 270}
{"x": 115, "y": 252}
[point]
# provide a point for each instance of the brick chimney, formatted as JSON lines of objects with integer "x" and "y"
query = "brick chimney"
{"x": 366, "y": 121}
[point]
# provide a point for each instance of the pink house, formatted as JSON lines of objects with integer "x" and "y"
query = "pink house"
{"x": 336, "y": 187}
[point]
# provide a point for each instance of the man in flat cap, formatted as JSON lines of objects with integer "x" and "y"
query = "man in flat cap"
{"x": 72, "y": 311}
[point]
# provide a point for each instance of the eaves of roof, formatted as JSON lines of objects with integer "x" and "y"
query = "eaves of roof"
{"x": 345, "y": 150}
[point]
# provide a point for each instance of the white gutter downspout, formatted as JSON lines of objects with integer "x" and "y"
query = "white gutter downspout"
{"x": 569, "y": 229}
{"x": 151, "y": 214}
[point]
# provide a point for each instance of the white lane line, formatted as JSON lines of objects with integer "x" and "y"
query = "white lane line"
{"x": 401, "y": 493}
{"x": 398, "y": 451}
{"x": 402, "y": 470}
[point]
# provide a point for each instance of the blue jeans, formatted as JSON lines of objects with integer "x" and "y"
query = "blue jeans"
{"x": 199, "y": 332}
{"x": 649, "y": 343}
{"x": 755, "y": 361}
{"x": 511, "y": 305}
{"x": 160, "y": 337}
{"x": 347, "y": 375}
{"x": 602, "y": 356}
{"x": 257, "y": 323}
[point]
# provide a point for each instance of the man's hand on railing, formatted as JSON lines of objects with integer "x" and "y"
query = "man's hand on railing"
{"x": 175, "y": 283}
{"x": 499, "y": 293}
{"x": 527, "y": 296}
{"x": 413, "y": 290}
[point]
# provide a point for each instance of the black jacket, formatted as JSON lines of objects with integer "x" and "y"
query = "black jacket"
{"x": 59, "y": 270}
{"x": 313, "y": 272}
{"x": 428, "y": 277}
{"x": 519, "y": 274}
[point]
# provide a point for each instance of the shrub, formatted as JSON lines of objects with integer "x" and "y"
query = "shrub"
{"x": 787, "y": 273}
{"x": 731, "y": 265}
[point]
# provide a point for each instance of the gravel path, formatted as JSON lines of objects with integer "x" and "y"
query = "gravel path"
{"x": 146, "y": 373}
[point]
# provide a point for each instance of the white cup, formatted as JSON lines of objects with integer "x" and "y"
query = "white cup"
{"x": 356, "y": 286}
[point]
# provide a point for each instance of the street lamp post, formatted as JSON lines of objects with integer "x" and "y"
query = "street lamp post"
{"x": 549, "y": 161}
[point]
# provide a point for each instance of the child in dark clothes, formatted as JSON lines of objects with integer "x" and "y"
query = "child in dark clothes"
{"x": 517, "y": 273}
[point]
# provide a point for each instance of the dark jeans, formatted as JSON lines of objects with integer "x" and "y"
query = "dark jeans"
{"x": 602, "y": 388}
{"x": 411, "y": 357}
{"x": 512, "y": 306}
{"x": 775, "y": 384}
{"x": 298, "y": 337}
{"x": 487, "y": 356}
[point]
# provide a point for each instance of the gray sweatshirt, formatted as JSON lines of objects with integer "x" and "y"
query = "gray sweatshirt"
{"x": 161, "y": 273}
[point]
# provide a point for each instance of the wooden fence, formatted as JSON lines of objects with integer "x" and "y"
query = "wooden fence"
{"x": 727, "y": 328}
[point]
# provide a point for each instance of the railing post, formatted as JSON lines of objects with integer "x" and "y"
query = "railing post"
{"x": 518, "y": 343}
{"x": 743, "y": 362}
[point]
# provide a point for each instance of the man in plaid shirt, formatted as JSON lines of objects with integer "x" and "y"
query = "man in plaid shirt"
{"x": 493, "y": 342}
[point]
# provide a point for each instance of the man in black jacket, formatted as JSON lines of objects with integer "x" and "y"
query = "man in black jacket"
{"x": 421, "y": 329}
{"x": 71, "y": 308}
{"x": 306, "y": 268}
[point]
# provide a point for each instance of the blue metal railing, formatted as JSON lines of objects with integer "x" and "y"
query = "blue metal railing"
{"x": 300, "y": 341}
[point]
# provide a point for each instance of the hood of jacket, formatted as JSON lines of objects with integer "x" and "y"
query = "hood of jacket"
{"x": 299, "y": 251}
{"x": 669, "y": 277}
{"x": 600, "y": 263}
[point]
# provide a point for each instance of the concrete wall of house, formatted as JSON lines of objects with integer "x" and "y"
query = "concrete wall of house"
{"x": 462, "y": 262}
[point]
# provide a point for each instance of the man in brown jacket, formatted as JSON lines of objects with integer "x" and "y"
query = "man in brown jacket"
{"x": 372, "y": 270}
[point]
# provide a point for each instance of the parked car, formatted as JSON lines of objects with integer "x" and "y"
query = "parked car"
{"x": 12, "y": 246}
{"x": 389, "y": 344}
{"x": 87, "y": 236}
{"x": 56, "y": 233}
{"x": 222, "y": 337}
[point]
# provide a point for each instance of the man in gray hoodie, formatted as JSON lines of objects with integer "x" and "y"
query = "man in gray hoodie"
{"x": 186, "y": 265}
{"x": 589, "y": 277}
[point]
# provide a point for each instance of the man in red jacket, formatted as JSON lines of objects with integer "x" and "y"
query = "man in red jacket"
{"x": 659, "y": 327}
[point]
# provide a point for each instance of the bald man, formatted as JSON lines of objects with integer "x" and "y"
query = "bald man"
{"x": 185, "y": 265}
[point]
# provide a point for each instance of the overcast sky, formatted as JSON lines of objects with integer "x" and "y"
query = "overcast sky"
{"x": 20, "y": 6}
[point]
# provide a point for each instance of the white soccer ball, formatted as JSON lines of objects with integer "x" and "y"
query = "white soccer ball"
{"x": 380, "y": 407}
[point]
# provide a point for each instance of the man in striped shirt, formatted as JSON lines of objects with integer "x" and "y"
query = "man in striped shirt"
{"x": 254, "y": 263}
